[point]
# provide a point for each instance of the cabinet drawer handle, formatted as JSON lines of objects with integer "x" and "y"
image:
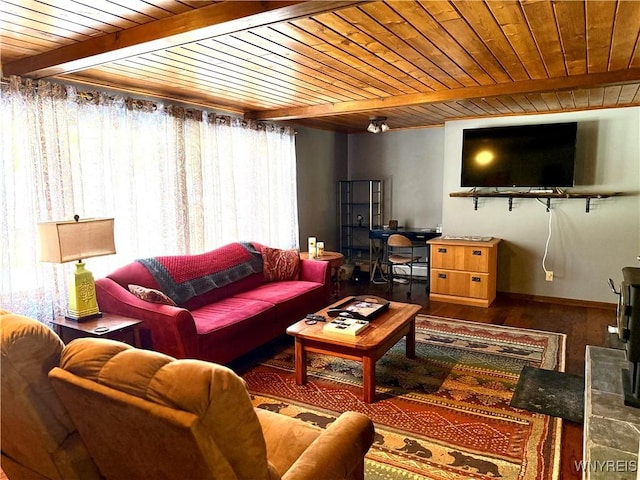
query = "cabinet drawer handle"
{"x": 442, "y": 275}
{"x": 477, "y": 252}
{"x": 442, "y": 250}
{"x": 475, "y": 279}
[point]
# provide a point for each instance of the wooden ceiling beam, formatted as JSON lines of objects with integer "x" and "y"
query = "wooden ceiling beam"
{"x": 192, "y": 26}
{"x": 619, "y": 77}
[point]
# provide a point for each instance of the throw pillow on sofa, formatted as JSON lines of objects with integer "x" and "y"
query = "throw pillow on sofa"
{"x": 279, "y": 265}
{"x": 151, "y": 295}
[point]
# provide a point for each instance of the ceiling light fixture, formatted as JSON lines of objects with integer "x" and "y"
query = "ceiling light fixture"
{"x": 377, "y": 125}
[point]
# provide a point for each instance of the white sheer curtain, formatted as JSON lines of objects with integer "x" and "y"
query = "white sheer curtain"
{"x": 176, "y": 180}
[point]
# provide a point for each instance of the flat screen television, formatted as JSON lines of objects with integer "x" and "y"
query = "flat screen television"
{"x": 536, "y": 156}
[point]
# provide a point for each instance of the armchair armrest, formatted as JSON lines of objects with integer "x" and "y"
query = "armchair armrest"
{"x": 300, "y": 451}
{"x": 173, "y": 331}
{"x": 338, "y": 452}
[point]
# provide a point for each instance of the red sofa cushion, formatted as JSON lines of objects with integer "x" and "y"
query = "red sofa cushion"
{"x": 234, "y": 325}
{"x": 292, "y": 299}
{"x": 225, "y": 312}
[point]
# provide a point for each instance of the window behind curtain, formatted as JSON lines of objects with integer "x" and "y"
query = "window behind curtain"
{"x": 176, "y": 180}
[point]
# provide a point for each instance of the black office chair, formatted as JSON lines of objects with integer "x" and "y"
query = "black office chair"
{"x": 400, "y": 251}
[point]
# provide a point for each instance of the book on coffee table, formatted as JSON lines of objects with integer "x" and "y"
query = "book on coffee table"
{"x": 346, "y": 326}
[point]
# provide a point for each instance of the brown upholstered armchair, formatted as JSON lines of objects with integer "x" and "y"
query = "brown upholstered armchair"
{"x": 146, "y": 415}
{"x": 39, "y": 441}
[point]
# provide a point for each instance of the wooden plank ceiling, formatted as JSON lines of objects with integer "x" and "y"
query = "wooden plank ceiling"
{"x": 335, "y": 64}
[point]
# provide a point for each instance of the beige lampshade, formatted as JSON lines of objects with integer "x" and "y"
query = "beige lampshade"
{"x": 70, "y": 240}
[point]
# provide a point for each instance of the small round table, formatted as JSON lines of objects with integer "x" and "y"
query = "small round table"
{"x": 335, "y": 259}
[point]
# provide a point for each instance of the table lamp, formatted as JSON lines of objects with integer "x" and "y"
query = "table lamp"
{"x": 69, "y": 240}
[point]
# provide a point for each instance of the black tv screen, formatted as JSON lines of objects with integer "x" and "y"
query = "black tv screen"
{"x": 519, "y": 156}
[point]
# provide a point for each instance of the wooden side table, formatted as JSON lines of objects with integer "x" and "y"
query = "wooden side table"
{"x": 335, "y": 259}
{"x": 110, "y": 325}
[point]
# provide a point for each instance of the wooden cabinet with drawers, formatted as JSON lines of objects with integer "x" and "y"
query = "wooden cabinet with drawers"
{"x": 464, "y": 271}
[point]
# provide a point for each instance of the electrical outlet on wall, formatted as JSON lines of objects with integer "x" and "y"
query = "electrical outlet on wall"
{"x": 548, "y": 276}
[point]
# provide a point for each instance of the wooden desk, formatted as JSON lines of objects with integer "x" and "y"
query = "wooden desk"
{"x": 419, "y": 236}
{"x": 335, "y": 259}
{"x": 110, "y": 325}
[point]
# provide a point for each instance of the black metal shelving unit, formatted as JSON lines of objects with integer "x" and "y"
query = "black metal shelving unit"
{"x": 359, "y": 210}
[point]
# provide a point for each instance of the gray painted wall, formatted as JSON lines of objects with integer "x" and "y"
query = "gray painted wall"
{"x": 421, "y": 167}
{"x": 410, "y": 164}
{"x": 585, "y": 249}
{"x": 321, "y": 162}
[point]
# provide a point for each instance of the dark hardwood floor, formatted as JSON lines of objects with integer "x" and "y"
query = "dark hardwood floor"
{"x": 583, "y": 324}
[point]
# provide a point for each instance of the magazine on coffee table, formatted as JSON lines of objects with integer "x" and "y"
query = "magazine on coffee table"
{"x": 361, "y": 307}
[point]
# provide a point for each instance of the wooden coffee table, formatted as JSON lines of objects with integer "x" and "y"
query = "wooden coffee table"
{"x": 367, "y": 347}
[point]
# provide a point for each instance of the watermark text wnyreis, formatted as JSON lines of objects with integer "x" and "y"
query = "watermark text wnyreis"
{"x": 618, "y": 466}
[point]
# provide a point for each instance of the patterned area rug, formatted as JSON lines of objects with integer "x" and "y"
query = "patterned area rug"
{"x": 444, "y": 414}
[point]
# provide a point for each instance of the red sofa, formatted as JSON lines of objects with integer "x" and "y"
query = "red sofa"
{"x": 225, "y": 314}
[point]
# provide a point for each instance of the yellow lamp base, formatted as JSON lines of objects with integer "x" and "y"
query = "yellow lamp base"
{"x": 82, "y": 295}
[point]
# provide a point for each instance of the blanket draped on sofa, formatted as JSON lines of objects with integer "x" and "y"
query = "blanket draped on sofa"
{"x": 182, "y": 277}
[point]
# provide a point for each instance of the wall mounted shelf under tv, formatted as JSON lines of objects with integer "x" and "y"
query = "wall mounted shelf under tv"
{"x": 588, "y": 196}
